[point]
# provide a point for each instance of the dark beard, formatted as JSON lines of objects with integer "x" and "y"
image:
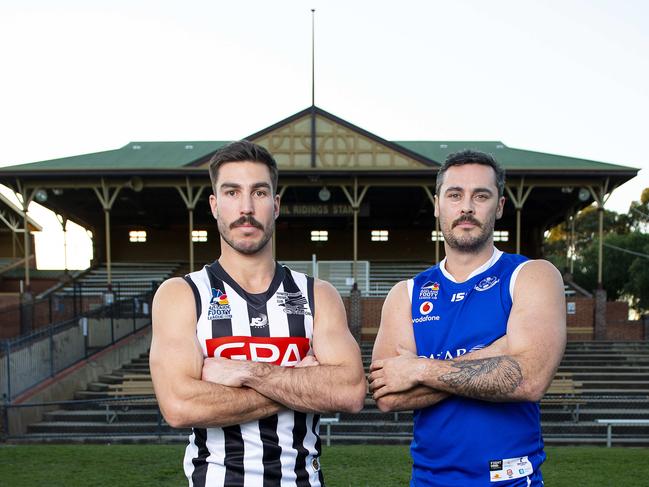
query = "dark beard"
{"x": 469, "y": 245}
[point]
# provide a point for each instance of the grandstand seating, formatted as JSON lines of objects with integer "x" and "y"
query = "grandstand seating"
{"x": 128, "y": 279}
{"x": 602, "y": 379}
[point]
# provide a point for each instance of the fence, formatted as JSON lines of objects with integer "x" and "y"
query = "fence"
{"x": 66, "y": 304}
{"x": 340, "y": 273}
{"x": 105, "y": 318}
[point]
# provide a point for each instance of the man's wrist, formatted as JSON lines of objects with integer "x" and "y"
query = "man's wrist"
{"x": 421, "y": 370}
{"x": 255, "y": 372}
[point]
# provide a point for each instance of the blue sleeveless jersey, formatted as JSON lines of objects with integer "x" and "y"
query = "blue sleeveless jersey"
{"x": 461, "y": 441}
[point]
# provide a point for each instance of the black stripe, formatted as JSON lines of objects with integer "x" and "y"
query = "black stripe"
{"x": 309, "y": 288}
{"x": 318, "y": 445}
{"x": 299, "y": 433}
{"x": 223, "y": 327}
{"x": 215, "y": 269}
{"x": 199, "y": 474}
{"x": 197, "y": 296}
{"x": 295, "y": 321}
{"x": 272, "y": 452}
{"x": 233, "y": 461}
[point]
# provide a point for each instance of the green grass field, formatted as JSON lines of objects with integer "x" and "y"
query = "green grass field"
{"x": 354, "y": 466}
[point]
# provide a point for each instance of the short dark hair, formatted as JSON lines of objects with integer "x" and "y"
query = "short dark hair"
{"x": 240, "y": 151}
{"x": 472, "y": 157}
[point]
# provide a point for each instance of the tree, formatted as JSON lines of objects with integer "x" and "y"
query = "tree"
{"x": 625, "y": 265}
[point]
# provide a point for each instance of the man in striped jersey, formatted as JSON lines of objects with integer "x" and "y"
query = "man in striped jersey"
{"x": 248, "y": 352}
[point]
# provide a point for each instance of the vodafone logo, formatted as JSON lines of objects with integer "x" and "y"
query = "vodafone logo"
{"x": 426, "y": 307}
{"x": 285, "y": 351}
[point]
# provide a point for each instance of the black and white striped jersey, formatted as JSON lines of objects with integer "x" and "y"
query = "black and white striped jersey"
{"x": 275, "y": 327}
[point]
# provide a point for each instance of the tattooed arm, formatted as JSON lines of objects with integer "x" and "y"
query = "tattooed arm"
{"x": 532, "y": 350}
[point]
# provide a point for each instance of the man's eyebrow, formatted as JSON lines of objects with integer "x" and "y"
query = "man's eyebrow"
{"x": 483, "y": 190}
{"x": 230, "y": 185}
{"x": 454, "y": 188}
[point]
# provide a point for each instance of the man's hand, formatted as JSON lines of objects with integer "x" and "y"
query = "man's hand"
{"x": 395, "y": 374}
{"x": 231, "y": 373}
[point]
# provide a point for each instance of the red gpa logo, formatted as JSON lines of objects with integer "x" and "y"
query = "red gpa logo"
{"x": 285, "y": 351}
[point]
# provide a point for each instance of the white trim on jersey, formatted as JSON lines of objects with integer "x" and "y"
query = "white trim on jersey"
{"x": 492, "y": 260}
{"x": 411, "y": 285}
{"x": 512, "y": 280}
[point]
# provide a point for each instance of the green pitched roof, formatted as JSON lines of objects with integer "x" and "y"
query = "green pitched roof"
{"x": 508, "y": 157}
{"x": 135, "y": 155}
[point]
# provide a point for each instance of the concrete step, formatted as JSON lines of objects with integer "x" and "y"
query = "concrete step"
{"x": 92, "y": 427}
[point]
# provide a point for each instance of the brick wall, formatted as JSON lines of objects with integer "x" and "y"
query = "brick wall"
{"x": 580, "y": 324}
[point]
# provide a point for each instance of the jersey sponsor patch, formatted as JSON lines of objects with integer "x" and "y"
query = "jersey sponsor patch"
{"x": 219, "y": 308}
{"x": 259, "y": 322}
{"x": 426, "y": 307}
{"x": 510, "y": 468}
{"x": 293, "y": 303}
{"x": 285, "y": 351}
{"x": 487, "y": 283}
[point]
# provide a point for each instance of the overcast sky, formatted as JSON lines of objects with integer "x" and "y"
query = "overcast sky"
{"x": 567, "y": 77}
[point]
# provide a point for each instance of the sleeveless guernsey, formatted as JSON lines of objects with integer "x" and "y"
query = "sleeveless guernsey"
{"x": 461, "y": 441}
{"x": 276, "y": 327}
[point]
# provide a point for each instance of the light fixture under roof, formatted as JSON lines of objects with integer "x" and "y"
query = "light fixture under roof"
{"x": 324, "y": 194}
{"x": 584, "y": 194}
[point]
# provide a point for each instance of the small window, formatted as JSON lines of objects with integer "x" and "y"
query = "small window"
{"x": 379, "y": 235}
{"x": 436, "y": 236}
{"x": 319, "y": 235}
{"x": 137, "y": 236}
{"x": 199, "y": 235}
{"x": 501, "y": 236}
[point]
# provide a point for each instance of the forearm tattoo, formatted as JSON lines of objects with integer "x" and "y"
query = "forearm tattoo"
{"x": 489, "y": 378}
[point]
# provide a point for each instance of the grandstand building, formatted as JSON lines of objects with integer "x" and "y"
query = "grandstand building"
{"x": 347, "y": 194}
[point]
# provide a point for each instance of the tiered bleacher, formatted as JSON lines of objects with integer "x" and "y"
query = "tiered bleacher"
{"x": 596, "y": 380}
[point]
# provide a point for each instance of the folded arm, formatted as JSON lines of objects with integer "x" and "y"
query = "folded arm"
{"x": 336, "y": 383}
{"x": 176, "y": 363}
{"x": 527, "y": 356}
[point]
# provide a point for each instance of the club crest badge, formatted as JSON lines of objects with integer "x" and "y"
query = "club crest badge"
{"x": 293, "y": 303}
{"x": 486, "y": 283}
{"x": 219, "y": 306}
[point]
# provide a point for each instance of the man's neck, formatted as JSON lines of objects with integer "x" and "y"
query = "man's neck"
{"x": 253, "y": 273}
{"x": 460, "y": 264}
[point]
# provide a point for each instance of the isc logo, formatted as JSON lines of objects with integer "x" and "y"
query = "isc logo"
{"x": 285, "y": 351}
{"x": 458, "y": 297}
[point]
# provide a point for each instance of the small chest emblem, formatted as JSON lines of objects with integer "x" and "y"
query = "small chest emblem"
{"x": 219, "y": 308}
{"x": 429, "y": 290}
{"x": 293, "y": 303}
{"x": 487, "y": 283}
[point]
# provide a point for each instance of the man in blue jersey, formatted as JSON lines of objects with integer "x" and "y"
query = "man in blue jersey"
{"x": 472, "y": 343}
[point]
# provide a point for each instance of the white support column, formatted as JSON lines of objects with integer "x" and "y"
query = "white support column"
{"x": 191, "y": 199}
{"x": 107, "y": 199}
{"x": 26, "y": 197}
{"x": 355, "y": 201}
{"x": 280, "y": 193}
{"x": 431, "y": 197}
{"x": 519, "y": 200}
{"x": 601, "y": 194}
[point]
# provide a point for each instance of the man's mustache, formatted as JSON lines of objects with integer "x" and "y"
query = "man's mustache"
{"x": 246, "y": 220}
{"x": 468, "y": 219}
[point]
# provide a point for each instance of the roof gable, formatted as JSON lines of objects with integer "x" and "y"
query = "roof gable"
{"x": 339, "y": 145}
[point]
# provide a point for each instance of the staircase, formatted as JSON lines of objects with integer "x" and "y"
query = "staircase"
{"x": 613, "y": 380}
